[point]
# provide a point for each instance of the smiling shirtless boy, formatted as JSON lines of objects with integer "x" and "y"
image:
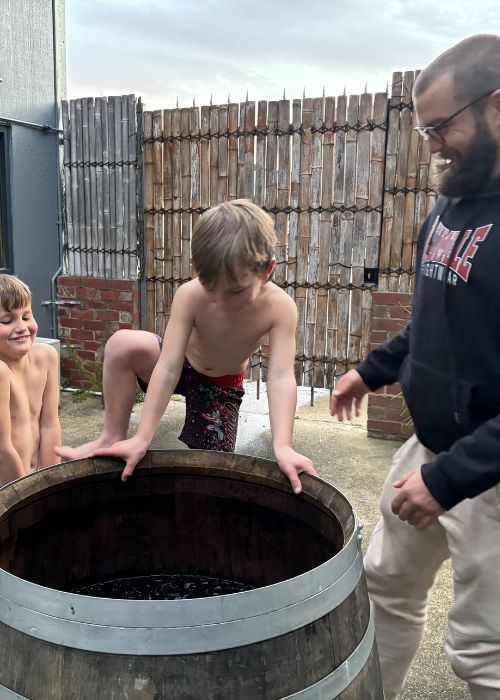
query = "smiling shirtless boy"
{"x": 29, "y": 387}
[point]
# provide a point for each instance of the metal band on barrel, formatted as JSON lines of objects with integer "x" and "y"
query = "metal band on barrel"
{"x": 336, "y": 682}
{"x": 180, "y": 627}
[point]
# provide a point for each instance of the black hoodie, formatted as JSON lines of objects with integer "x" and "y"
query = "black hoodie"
{"x": 448, "y": 357}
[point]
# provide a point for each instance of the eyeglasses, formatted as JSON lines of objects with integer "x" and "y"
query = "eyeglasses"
{"x": 435, "y": 131}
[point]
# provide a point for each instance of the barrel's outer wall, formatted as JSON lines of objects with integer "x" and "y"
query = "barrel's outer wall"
{"x": 269, "y": 669}
{"x": 281, "y": 665}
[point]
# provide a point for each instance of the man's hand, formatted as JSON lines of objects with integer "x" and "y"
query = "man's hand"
{"x": 131, "y": 451}
{"x": 414, "y": 502}
{"x": 349, "y": 388}
{"x": 292, "y": 464}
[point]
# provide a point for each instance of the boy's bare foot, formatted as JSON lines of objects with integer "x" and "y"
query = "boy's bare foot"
{"x": 68, "y": 453}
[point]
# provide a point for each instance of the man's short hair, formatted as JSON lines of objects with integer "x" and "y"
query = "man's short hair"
{"x": 474, "y": 66}
{"x": 232, "y": 235}
{"x": 14, "y": 293}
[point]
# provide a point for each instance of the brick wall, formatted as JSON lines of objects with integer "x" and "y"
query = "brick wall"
{"x": 106, "y": 305}
{"x": 387, "y": 414}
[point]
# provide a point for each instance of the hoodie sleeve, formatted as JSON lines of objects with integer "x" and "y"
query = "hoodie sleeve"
{"x": 471, "y": 466}
{"x": 381, "y": 366}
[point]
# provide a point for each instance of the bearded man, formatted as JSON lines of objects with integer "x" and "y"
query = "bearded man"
{"x": 442, "y": 495}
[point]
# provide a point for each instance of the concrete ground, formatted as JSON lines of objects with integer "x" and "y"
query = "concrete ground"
{"x": 342, "y": 454}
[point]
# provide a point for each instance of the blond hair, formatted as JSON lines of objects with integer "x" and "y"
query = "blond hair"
{"x": 14, "y": 294}
{"x": 232, "y": 235}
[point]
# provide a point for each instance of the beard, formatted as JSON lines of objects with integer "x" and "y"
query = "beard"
{"x": 469, "y": 172}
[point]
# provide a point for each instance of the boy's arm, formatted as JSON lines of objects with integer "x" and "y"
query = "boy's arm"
{"x": 162, "y": 383}
{"x": 11, "y": 466}
{"x": 282, "y": 392}
{"x": 50, "y": 427}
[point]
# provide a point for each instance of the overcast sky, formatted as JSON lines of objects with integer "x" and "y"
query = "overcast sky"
{"x": 164, "y": 50}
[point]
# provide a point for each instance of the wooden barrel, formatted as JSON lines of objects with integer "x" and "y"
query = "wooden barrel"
{"x": 305, "y": 630}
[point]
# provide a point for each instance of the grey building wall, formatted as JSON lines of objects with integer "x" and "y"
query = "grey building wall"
{"x": 32, "y": 67}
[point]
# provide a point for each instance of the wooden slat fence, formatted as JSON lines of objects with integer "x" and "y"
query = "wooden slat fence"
{"x": 410, "y": 189}
{"x": 346, "y": 180}
{"x": 312, "y": 165}
{"x": 100, "y": 187}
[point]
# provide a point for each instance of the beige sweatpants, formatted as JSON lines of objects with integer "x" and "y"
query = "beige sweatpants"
{"x": 401, "y": 564}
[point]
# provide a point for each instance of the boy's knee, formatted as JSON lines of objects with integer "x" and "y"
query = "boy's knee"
{"x": 121, "y": 345}
{"x": 117, "y": 343}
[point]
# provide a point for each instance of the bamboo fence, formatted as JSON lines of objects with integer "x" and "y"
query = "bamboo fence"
{"x": 410, "y": 189}
{"x": 100, "y": 187}
{"x": 317, "y": 166}
{"x": 346, "y": 180}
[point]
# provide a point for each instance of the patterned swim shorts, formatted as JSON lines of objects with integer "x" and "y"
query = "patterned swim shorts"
{"x": 212, "y": 409}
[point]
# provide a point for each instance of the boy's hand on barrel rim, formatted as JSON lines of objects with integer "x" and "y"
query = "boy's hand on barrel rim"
{"x": 131, "y": 451}
{"x": 292, "y": 464}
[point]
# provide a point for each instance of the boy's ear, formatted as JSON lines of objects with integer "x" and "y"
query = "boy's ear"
{"x": 270, "y": 269}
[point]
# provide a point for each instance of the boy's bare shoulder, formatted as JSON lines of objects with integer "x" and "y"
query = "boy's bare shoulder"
{"x": 189, "y": 290}
{"x": 5, "y": 384}
{"x": 5, "y": 371}
{"x": 190, "y": 298}
{"x": 44, "y": 354}
{"x": 279, "y": 299}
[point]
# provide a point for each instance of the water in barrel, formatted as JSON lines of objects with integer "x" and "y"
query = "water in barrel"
{"x": 164, "y": 587}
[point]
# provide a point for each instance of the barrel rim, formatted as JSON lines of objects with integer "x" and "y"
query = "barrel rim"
{"x": 313, "y": 487}
{"x": 306, "y": 589}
